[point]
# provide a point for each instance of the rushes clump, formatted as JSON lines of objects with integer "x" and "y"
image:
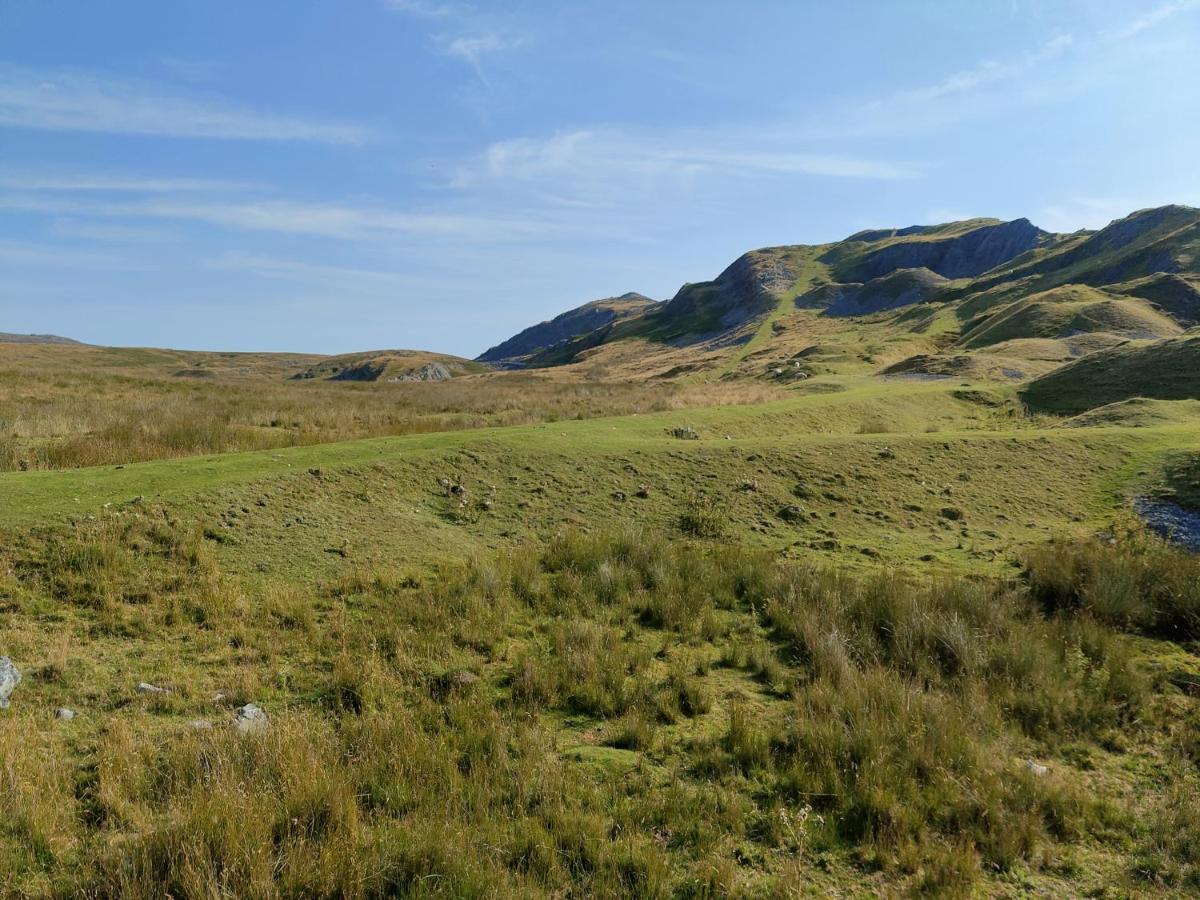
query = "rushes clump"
{"x": 557, "y": 722}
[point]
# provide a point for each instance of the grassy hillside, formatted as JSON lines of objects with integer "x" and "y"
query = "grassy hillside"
{"x": 1165, "y": 370}
{"x": 1066, "y": 312}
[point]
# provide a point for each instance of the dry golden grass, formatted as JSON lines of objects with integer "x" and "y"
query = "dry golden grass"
{"x": 96, "y": 417}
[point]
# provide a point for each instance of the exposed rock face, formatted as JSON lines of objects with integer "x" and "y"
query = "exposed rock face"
{"x": 567, "y": 326}
{"x": 962, "y": 256}
{"x": 740, "y": 293}
{"x": 903, "y": 287}
{"x": 433, "y": 371}
{"x": 10, "y": 677}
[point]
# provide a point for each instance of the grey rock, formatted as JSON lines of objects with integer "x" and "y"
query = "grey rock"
{"x": 9, "y": 679}
{"x": 250, "y": 719}
{"x": 65, "y": 714}
{"x": 1036, "y": 768}
{"x": 146, "y": 687}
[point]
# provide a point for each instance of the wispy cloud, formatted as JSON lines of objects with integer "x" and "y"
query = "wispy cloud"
{"x": 1152, "y": 18}
{"x": 472, "y": 49}
{"x": 283, "y": 217}
{"x": 428, "y": 9}
{"x": 313, "y": 273}
{"x": 115, "y": 233}
{"x": 33, "y": 180}
{"x": 465, "y": 32}
{"x": 67, "y": 100}
{"x": 990, "y": 71}
{"x": 612, "y": 155}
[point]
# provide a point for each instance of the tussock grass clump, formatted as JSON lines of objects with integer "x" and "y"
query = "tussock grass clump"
{"x": 604, "y": 715}
{"x": 1138, "y": 583}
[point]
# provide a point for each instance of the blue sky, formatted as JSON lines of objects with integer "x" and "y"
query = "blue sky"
{"x": 335, "y": 176}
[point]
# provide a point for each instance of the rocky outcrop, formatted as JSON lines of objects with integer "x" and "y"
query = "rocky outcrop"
{"x": 964, "y": 255}
{"x": 903, "y": 287}
{"x": 10, "y": 677}
{"x": 566, "y": 327}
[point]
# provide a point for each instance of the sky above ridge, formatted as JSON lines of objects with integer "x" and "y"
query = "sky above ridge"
{"x": 337, "y": 176}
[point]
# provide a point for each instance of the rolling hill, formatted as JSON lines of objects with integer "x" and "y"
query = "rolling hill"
{"x": 998, "y": 299}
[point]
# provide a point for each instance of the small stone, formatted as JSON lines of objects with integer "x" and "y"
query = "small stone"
{"x": 10, "y": 677}
{"x": 250, "y": 719}
{"x": 1036, "y": 768}
{"x": 791, "y": 513}
{"x": 619, "y": 496}
{"x": 643, "y": 491}
{"x": 146, "y": 687}
{"x": 463, "y": 679}
{"x": 65, "y": 714}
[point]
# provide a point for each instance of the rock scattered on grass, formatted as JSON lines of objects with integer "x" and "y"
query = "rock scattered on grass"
{"x": 250, "y": 719}
{"x": 791, "y": 513}
{"x": 1036, "y": 768}
{"x": 10, "y": 677}
{"x": 146, "y": 687}
{"x": 643, "y": 491}
{"x": 64, "y": 714}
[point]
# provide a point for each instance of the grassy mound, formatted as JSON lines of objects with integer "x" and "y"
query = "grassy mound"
{"x": 1068, "y": 311}
{"x": 1164, "y": 370}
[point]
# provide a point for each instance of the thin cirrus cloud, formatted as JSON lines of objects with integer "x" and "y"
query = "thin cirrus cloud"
{"x": 600, "y": 157}
{"x": 67, "y": 100}
{"x": 285, "y": 217}
{"x": 104, "y": 182}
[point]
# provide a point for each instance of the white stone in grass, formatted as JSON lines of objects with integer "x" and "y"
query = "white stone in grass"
{"x": 1037, "y": 768}
{"x": 250, "y": 719}
{"x": 65, "y": 714}
{"x": 9, "y": 679}
{"x": 146, "y": 687}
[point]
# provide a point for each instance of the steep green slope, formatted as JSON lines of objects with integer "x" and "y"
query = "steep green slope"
{"x": 1164, "y": 370}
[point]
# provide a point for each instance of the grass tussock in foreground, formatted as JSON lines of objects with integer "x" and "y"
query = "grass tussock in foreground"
{"x": 604, "y": 716}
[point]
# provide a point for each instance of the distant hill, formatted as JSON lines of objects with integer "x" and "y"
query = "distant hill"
{"x": 9, "y": 338}
{"x": 536, "y": 339}
{"x": 1027, "y": 299}
{"x": 390, "y": 366}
